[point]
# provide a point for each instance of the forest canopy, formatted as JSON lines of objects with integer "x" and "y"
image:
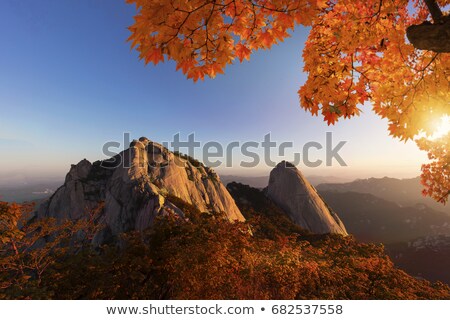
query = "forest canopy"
{"x": 202, "y": 257}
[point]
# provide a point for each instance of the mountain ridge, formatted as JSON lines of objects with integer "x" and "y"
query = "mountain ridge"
{"x": 405, "y": 192}
{"x": 373, "y": 219}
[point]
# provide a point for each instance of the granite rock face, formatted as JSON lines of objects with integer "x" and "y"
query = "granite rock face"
{"x": 132, "y": 189}
{"x": 290, "y": 190}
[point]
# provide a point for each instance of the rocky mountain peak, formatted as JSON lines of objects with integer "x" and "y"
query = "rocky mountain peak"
{"x": 292, "y": 192}
{"x": 133, "y": 188}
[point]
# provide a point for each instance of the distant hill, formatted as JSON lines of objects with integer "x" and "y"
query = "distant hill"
{"x": 29, "y": 192}
{"x": 263, "y": 181}
{"x": 373, "y": 219}
{"x": 255, "y": 182}
{"x": 317, "y": 180}
{"x": 405, "y": 192}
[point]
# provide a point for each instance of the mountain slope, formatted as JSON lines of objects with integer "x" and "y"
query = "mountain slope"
{"x": 427, "y": 257}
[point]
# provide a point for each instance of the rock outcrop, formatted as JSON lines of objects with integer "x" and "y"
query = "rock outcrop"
{"x": 289, "y": 189}
{"x": 132, "y": 189}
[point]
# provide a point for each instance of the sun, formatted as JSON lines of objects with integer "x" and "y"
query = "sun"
{"x": 442, "y": 129}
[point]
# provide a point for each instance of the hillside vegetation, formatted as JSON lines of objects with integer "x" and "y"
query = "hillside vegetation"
{"x": 198, "y": 257}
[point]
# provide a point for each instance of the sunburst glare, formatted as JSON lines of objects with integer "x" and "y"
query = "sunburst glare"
{"x": 442, "y": 129}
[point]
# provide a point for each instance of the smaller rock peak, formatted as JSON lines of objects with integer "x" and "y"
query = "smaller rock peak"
{"x": 84, "y": 162}
{"x": 79, "y": 171}
{"x": 292, "y": 192}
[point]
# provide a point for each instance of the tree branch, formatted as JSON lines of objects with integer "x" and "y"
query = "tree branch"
{"x": 435, "y": 11}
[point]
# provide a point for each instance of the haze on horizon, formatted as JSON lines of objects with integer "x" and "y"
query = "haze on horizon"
{"x": 68, "y": 86}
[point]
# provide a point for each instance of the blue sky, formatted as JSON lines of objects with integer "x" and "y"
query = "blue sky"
{"x": 69, "y": 82}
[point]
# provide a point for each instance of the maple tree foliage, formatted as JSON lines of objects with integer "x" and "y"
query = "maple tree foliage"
{"x": 436, "y": 173}
{"x": 30, "y": 247}
{"x": 201, "y": 257}
{"x": 356, "y": 52}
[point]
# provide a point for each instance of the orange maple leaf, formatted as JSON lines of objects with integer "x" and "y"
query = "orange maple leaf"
{"x": 330, "y": 117}
{"x": 155, "y": 55}
{"x": 242, "y": 52}
{"x": 186, "y": 65}
{"x": 266, "y": 39}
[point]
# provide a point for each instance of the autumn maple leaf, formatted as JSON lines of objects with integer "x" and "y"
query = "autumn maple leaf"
{"x": 155, "y": 55}
{"x": 242, "y": 52}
